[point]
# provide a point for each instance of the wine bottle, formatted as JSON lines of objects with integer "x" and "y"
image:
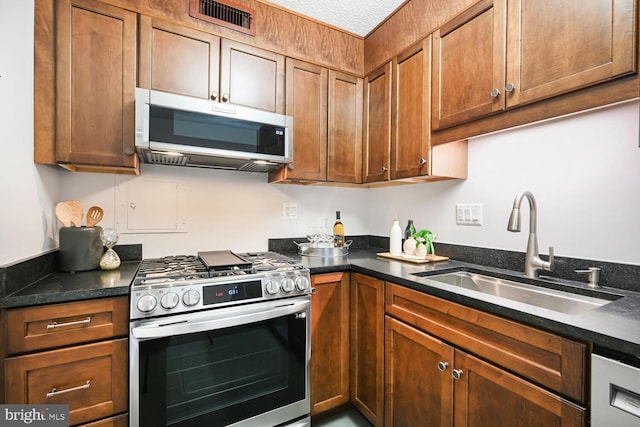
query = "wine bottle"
{"x": 408, "y": 232}
{"x": 338, "y": 231}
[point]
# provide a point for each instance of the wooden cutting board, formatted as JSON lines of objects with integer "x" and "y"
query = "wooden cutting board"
{"x": 428, "y": 258}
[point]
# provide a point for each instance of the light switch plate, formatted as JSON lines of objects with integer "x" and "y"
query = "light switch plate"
{"x": 469, "y": 214}
{"x": 290, "y": 211}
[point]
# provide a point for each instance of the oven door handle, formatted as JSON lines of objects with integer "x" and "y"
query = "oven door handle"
{"x": 219, "y": 318}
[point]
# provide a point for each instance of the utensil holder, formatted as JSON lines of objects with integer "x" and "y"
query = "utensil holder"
{"x": 80, "y": 248}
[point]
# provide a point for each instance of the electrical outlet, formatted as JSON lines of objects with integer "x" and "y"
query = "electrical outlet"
{"x": 290, "y": 210}
{"x": 469, "y": 214}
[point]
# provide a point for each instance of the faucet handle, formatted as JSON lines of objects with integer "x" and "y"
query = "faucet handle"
{"x": 594, "y": 276}
{"x": 552, "y": 258}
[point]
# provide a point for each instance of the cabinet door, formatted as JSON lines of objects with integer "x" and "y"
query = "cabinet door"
{"x": 91, "y": 379}
{"x": 344, "y": 143}
{"x": 307, "y": 104}
{"x": 469, "y": 65}
{"x": 367, "y": 349}
{"x": 95, "y": 84}
{"x": 418, "y": 385}
{"x": 251, "y": 77}
{"x": 177, "y": 59}
{"x": 582, "y": 43}
{"x": 377, "y": 135}
{"x": 484, "y": 392}
{"x": 329, "y": 341}
{"x": 411, "y": 118}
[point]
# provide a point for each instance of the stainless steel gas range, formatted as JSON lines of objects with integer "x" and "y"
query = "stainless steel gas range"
{"x": 220, "y": 339}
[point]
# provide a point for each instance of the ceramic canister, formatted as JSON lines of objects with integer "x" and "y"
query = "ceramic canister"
{"x": 80, "y": 248}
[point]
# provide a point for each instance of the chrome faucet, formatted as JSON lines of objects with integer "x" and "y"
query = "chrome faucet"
{"x": 533, "y": 263}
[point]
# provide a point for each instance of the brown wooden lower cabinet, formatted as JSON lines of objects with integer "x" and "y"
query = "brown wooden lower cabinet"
{"x": 74, "y": 354}
{"x": 121, "y": 420}
{"x": 367, "y": 340}
{"x": 428, "y": 382}
{"x": 90, "y": 378}
{"x": 330, "y": 343}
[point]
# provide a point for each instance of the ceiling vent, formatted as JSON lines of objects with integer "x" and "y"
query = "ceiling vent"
{"x": 227, "y": 14}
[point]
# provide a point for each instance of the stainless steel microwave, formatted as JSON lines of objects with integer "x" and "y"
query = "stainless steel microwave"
{"x": 186, "y": 131}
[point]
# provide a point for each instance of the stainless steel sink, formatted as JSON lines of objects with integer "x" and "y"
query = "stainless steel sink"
{"x": 551, "y": 299}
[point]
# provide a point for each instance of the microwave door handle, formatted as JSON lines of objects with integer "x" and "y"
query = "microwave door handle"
{"x": 145, "y": 123}
{"x": 217, "y": 319}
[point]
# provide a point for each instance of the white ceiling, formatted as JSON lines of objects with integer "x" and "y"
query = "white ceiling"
{"x": 356, "y": 16}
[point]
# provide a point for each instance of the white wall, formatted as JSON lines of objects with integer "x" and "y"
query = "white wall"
{"x": 583, "y": 170}
{"x": 27, "y": 191}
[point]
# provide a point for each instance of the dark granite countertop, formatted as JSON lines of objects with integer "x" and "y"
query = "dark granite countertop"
{"x": 614, "y": 326}
{"x": 67, "y": 287}
{"x": 38, "y": 280}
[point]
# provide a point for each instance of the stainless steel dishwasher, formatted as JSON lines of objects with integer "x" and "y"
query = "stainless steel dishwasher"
{"x": 615, "y": 391}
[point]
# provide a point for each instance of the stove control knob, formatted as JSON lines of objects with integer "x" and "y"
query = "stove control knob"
{"x": 147, "y": 303}
{"x": 272, "y": 287}
{"x": 191, "y": 297}
{"x": 169, "y": 300}
{"x": 287, "y": 285}
{"x": 302, "y": 283}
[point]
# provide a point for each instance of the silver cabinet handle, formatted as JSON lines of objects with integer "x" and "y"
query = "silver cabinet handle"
{"x": 510, "y": 87}
{"x": 54, "y": 325}
{"x": 55, "y": 392}
{"x": 225, "y": 97}
{"x": 383, "y": 169}
{"x": 422, "y": 161}
{"x": 128, "y": 151}
{"x": 443, "y": 366}
{"x": 495, "y": 93}
{"x": 214, "y": 95}
{"x": 456, "y": 374}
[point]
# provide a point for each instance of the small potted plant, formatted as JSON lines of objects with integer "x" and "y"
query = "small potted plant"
{"x": 420, "y": 243}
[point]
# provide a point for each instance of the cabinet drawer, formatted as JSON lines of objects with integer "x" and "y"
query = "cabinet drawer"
{"x": 91, "y": 379}
{"x": 542, "y": 357}
{"x": 57, "y": 325}
{"x": 121, "y": 420}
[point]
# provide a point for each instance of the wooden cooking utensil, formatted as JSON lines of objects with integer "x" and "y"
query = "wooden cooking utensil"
{"x": 76, "y": 212}
{"x": 94, "y": 215}
{"x": 63, "y": 213}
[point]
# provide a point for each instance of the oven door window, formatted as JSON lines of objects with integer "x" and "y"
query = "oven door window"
{"x": 219, "y": 377}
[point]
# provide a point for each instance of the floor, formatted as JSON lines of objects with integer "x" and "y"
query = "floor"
{"x": 348, "y": 418}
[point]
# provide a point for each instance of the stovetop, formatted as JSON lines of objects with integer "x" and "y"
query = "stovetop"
{"x": 185, "y": 283}
{"x": 210, "y": 265}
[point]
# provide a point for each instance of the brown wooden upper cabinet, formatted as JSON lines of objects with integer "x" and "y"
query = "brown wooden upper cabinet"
{"x": 326, "y": 107}
{"x": 177, "y": 59}
{"x": 95, "y": 66}
{"x": 502, "y": 54}
{"x": 377, "y": 122}
{"x": 410, "y": 138}
{"x": 344, "y": 144}
{"x": 397, "y": 142}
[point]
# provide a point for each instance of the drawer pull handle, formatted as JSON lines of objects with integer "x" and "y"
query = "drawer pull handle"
{"x": 55, "y": 325}
{"x": 54, "y": 391}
